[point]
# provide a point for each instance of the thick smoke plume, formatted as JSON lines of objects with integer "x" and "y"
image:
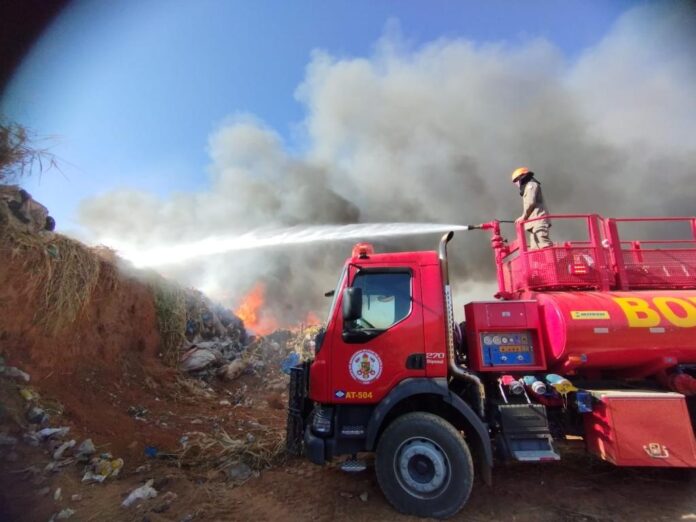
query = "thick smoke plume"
{"x": 431, "y": 134}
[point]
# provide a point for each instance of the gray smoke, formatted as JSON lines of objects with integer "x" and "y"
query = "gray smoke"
{"x": 431, "y": 134}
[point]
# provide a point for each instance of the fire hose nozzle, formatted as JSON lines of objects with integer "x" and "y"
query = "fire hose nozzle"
{"x": 487, "y": 226}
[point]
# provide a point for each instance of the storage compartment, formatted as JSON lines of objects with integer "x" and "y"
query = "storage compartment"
{"x": 640, "y": 428}
{"x": 504, "y": 336}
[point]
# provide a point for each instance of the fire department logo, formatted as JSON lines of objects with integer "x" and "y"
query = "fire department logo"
{"x": 365, "y": 366}
{"x": 656, "y": 450}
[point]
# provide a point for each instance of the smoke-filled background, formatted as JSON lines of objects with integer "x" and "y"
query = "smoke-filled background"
{"x": 431, "y": 133}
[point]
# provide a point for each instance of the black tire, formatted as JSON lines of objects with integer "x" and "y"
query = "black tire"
{"x": 421, "y": 434}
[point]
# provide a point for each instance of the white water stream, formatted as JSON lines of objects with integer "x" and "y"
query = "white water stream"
{"x": 183, "y": 252}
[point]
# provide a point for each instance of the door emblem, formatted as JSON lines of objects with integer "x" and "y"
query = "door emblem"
{"x": 365, "y": 366}
{"x": 656, "y": 450}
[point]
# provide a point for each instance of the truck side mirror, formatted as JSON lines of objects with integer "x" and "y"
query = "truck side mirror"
{"x": 352, "y": 304}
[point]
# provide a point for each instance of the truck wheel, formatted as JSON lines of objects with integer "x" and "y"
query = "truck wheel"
{"x": 424, "y": 466}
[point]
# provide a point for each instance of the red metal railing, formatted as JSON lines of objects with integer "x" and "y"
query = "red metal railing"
{"x": 600, "y": 261}
{"x": 654, "y": 263}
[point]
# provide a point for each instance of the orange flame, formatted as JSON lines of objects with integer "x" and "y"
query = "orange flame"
{"x": 312, "y": 319}
{"x": 250, "y": 311}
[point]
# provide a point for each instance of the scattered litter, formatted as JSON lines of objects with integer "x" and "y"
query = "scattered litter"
{"x": 363, "y": 496}
{"x": 239, "y": 473}
{"x": 224, "y": 402}
{"x": 15, "y": 373}
{"x": 49, "y": 433}
{"x": 36, "y": 415}
{"x": 138, "y": 412}
{"x": 31, "y": 439}
{"x": 142, "y": 493}
{"x": 291, "y": 360}
{"x": 76, "y": 497}
{"x": 102, "y": 467}
{"x": 58, "y": 454}
{"x": 86, "y": 449}
{"x": 233, "y": 370}
{"x": 65, "y": 514}
{"x": 197, "y": 359}
{"x": 28, "y": 394}
{"x": 151, "y": 451}
{"x": 57, "y": 494}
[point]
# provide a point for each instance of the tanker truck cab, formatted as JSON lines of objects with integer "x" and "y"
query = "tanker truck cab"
{"x": 379, "y": 383}
{"x": 588, "y": 339}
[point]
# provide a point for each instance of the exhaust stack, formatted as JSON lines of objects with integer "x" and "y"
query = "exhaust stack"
{"x": 455, "y": 369}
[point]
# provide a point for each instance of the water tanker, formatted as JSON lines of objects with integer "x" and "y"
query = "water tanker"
{"x": 638, "y": 333}
{"x": 592, "y": 339}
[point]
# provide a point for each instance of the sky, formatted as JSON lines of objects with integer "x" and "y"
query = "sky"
{"x": 130, "y": 91}
{"x": 178, "y": 122}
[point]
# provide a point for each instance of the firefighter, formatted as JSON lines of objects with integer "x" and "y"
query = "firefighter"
{"x": 532, "y": 207}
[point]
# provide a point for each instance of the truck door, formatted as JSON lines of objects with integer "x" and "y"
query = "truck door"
{"x": 385, "y": 345}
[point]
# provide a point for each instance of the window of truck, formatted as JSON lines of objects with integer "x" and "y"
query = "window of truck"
{"x": 386, "y": 298}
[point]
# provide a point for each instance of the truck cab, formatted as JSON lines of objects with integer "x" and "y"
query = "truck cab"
{"x": 555, "y": 354}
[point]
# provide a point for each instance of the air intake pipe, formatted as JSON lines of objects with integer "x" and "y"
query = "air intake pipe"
{"x": 455, "y": 369}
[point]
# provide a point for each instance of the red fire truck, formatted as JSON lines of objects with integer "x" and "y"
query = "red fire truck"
{"x": 591, "y": 338}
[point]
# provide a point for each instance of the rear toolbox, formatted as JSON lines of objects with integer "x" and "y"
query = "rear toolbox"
{"x": 640, "y": 428}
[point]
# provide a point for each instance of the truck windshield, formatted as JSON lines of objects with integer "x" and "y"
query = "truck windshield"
{"x": 386, "y": 299}
{"x": 335, "y": 295}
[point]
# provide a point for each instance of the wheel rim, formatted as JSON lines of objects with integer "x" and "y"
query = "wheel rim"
{"x": 422, "y": 467}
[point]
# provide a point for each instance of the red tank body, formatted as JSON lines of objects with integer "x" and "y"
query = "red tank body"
{"x": 639, "y": 332}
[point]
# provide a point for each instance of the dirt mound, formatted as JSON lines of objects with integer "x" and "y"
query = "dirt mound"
{"x": 67, "y": 308}
{"x": 106, "y": 348}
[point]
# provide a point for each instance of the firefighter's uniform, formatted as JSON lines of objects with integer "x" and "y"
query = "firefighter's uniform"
{"x": 533, "y": 207}
{"x": 533, "y": 203}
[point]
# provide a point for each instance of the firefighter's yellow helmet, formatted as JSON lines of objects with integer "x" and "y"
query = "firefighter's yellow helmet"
{"x": 518, "y": 173}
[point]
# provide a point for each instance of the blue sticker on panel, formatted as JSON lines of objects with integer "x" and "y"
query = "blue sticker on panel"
{"x": 507, "y": 349}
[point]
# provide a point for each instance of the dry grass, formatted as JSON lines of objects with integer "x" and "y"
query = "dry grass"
{"x": 220, "y": 451}
{"x": 170, "y": 303}
{"x": 21, "y": 151}
{"x": 73, "y": 273}
{"x": 59, "y": 272}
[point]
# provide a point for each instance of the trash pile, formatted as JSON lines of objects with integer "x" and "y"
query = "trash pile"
{"x": 217, "y": 345}
{"x": 214, "y": 339}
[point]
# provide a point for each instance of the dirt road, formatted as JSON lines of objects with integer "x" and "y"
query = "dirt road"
{"x": 579, "y": 489}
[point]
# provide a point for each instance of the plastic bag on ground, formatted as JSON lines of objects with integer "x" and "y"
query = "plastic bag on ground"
{"x": 291, "y": 360}
{"x": 142, "y": 493}
{"x": 197, "y": 359}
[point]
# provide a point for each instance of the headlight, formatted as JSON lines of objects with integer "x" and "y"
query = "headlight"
{"x": 321, "y": 420}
